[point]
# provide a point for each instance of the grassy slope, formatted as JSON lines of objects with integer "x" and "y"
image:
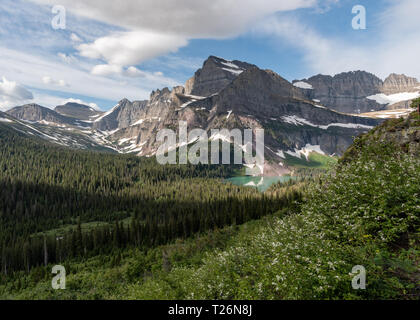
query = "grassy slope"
{"x": 315, "y": 161}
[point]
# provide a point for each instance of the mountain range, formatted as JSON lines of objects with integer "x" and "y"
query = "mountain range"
{"x": 315, "y": 115}
{"x": 360, "y": 91}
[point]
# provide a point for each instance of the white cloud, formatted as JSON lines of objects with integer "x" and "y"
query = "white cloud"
{"x": 131, "y": 47}
{"x": 90, "y": 104}
{"x": 190, "y": 18}
{"x": 136, "y": 73}
{"x": 11, "y": 94}
{"x": 51, "y": 81}
{"x": 158, "y": 27}
{"x": 394, "y": 49}
{"x": 75, "y": 38}
{"x": 67, "y": 58}
{"x": 106, "y": 70}
{"x": 46, "y": 80}
{"x": 131, "y": 72}
{"x": 29, "y": 69}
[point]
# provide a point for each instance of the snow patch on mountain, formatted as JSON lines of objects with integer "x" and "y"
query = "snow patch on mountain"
{"x": 280, "y": 153}
{"x": 297, "y": 121}
{"x": 234, "y": 71}
{"x": 230, "y": 64}
{"x": 140, "y": 121}
{"x": 394, "y": 98}
{"x": 303, "y": 85}
{"x": 305, "y": 151}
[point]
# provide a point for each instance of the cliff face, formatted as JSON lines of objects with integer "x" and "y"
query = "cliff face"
{"x": 351, "y": 92}
{"x": 396, "y": 83}
{"x": 346, "y": 92}
{"x": 122, "y": 115}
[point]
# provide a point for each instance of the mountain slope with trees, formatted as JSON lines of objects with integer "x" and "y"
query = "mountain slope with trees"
{"x": 365, "y": 212}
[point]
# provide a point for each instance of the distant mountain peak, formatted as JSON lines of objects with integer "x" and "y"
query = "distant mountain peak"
{"x": 77, "y": 111}
{"x": 396, "y": 83}
{"x": 124, "y": 101}
{"x": 36, "y": 113}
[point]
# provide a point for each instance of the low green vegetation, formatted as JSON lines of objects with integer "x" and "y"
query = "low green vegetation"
{"x": 314, "y": 161}
{"x": 415, "y": 103}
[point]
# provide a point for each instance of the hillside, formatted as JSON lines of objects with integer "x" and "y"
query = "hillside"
{"x": 365, "y": 212}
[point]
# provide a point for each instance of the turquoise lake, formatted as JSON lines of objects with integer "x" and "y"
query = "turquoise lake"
{"x": 262, "y": 183}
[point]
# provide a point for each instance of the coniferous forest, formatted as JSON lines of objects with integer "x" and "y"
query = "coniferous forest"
{"x": 131, "y": 201}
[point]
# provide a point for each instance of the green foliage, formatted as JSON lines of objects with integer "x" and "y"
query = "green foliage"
{"x": 314, "y": 161}
{"x": 365, "y": 212}
{"x": 415, "y": 103}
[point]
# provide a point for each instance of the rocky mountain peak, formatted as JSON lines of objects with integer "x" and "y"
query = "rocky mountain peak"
{"x": 158, "y": 94}
{"x": 29, "y": 112}
{"x": 77, "y": 111}
{"x": 395, "y": 83}
{"x": 36, "y": 113}
{"x": 215, "y": 74}
{"x": 122, "y": 115}
{"x": 124, "y": 102}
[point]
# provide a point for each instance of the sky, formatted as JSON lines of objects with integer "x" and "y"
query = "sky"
{"x": 98, "y": 52}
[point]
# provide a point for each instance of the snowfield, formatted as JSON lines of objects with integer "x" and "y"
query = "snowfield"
{"x": 303, "y": 85}
{"x": 394, "y": 98}
{"x": 297, "y": 121}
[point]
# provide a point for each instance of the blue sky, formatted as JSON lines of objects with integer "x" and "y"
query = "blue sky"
{"x": 110, "y": 50}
